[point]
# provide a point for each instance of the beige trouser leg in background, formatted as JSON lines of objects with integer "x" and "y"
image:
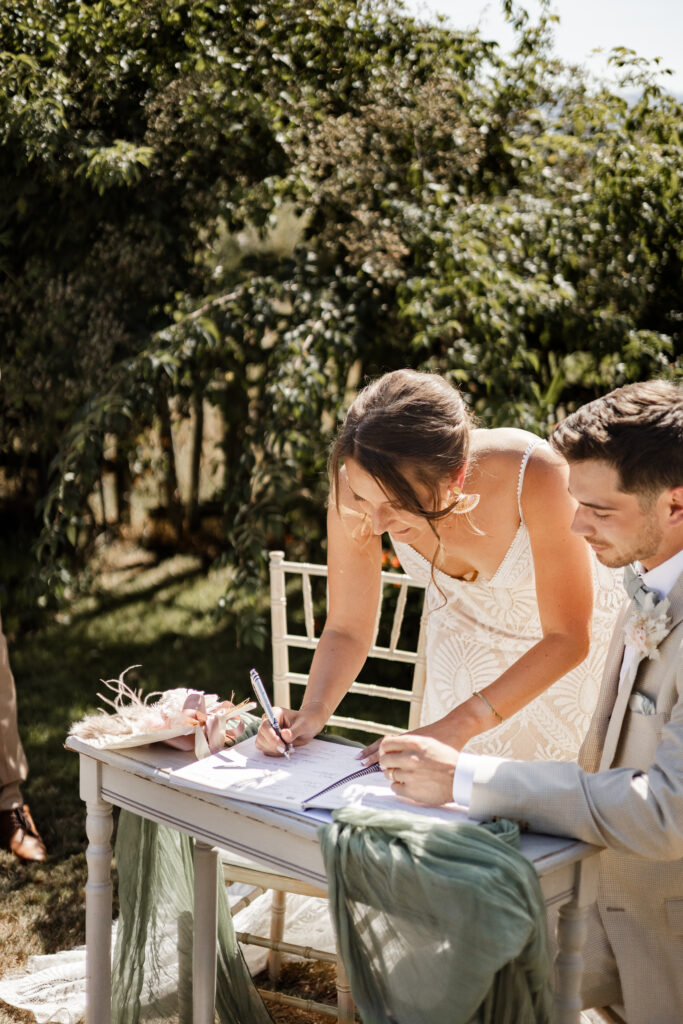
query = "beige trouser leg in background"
{"x": 13, "y": 766}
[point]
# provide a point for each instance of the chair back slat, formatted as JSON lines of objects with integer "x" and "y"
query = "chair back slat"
{"x": 310, "y": 643}
{"x": 308, "y": 605}
{"x": 367, "y": 689}
{"x": 396, "y": 649}
{"x": 378, "y": 619}
{"x": 398, "y": 616}
{"x": 278, "y": 626}
{"x": 365, "y": 725}
{"x": 420, "y": 671}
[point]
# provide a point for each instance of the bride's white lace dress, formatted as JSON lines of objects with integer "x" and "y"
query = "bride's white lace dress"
{"x": 475, "y": 630}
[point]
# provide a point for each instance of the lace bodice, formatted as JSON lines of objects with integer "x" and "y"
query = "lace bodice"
{"x": 477, "y": 629}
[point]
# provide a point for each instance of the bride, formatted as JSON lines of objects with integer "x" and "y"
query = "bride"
{"x": 483, "y": 518}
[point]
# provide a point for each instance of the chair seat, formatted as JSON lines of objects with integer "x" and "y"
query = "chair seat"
{"x": 252, "y": 872}
{"x": 603, "y": 1015}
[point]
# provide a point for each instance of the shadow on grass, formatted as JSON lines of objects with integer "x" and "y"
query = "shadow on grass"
{"x": 109, "y": 601}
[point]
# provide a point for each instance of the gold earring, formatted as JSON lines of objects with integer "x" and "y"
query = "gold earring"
{"x": 464, "y": 502}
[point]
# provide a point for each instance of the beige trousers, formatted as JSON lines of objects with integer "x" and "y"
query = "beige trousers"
{"x": 13, "y": 766}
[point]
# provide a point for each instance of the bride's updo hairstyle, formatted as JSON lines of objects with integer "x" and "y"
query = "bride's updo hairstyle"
{"x": 406, "y": 428}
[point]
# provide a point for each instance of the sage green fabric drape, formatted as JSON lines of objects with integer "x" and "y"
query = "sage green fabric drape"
{"x": 437, "y": 924}
{"x": 152, "y": 971}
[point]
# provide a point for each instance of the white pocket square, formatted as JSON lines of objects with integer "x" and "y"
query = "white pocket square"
{"x": 641, "y": 704}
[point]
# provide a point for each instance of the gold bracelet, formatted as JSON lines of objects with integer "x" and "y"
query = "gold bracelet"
{"x": 480, "y": 695}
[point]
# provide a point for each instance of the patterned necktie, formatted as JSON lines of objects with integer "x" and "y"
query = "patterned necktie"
{"x": 636, "y": 589}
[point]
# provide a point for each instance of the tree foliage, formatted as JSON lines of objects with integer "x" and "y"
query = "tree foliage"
{"x": 501, "y": 220}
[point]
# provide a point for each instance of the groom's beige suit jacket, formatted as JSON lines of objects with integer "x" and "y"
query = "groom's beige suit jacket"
{"x": 625, "y": 794}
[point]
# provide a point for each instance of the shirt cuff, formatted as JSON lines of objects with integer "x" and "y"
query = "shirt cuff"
{"x": 463, "y": 777}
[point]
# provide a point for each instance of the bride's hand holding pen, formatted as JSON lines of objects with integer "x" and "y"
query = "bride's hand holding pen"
{"x": 296, "y": 728}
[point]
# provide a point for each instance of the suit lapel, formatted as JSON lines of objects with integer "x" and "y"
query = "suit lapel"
{"x": 616, "y": 720}
{"x": 620, "y": 697}
{"x": 676, "y": 602}
{"x": 591, "y": 749}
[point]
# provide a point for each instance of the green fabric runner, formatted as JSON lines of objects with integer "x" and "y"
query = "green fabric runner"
{"x": 436, "y": 923}
{"x": 151, "y": 981}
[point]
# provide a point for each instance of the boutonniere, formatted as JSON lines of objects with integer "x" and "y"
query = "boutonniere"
{"x": 646, "y": 627}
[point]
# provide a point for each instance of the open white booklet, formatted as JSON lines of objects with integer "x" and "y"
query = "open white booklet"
{"x": 318, "y": 775}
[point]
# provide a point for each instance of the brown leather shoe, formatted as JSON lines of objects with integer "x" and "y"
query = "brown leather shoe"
{"x": 19, "y": 834}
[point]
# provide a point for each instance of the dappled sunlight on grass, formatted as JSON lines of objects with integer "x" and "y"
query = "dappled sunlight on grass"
{"x": 158, "y": 616}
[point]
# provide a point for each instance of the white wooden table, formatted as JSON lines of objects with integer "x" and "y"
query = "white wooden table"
{"x": 140, "y": 780}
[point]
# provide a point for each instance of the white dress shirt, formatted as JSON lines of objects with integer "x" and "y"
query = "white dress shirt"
{"x": 661, "y": 579}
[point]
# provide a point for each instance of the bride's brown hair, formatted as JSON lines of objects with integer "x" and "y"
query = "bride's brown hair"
{"x": 406, "y": 422}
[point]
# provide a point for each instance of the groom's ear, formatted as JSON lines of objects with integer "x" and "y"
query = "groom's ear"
{"x": 675, "y": 507}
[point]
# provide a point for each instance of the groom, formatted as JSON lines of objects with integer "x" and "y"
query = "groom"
{"x": 625, "y": 455}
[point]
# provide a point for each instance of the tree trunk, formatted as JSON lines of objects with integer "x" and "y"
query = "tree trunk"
{"x": 122, "y": 484}
{"x": 192, "y": 510}
{"x": 171, "y": 495}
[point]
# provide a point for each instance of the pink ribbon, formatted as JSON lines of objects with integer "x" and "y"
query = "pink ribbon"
{"x": 211, "y": 728}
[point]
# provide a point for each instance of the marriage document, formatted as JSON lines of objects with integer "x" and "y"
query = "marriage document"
{"x": 318, "y": 775}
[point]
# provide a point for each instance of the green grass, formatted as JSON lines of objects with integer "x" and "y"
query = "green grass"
{"x": 156, "y": 616}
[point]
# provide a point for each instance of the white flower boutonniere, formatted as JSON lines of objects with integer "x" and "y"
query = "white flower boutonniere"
{"x": 646, "y": 627}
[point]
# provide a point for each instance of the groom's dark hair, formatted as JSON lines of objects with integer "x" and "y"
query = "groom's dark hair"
{"x": 637, "y": 429}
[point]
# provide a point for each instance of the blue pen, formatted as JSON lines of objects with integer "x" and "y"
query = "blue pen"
{"x": 262, "y": 698}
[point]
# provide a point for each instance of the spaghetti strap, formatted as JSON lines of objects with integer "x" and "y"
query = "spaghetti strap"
{"x": 522, "y": 468}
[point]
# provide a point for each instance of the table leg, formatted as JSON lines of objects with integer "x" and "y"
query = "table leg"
{"x": 185, "y": 943}
{"x": 98, "y": 906}
{"x": 571, "y": 938}
{"x": 205, "y": 931}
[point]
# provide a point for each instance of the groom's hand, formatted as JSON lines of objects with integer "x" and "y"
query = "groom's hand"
{"x": 419, "y": 767}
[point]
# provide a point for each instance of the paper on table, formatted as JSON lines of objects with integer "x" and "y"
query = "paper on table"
{"x": 244, "y": 773}
{"x": 375, "y": 792}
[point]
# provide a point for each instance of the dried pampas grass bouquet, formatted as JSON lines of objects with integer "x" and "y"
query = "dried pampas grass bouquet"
{"x": 183, "y": 718}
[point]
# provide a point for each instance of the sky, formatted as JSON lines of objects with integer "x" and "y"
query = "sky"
{"x": 653, "y": 28}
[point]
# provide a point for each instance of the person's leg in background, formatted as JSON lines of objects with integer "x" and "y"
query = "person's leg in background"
{"x": 18, "y": 832}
